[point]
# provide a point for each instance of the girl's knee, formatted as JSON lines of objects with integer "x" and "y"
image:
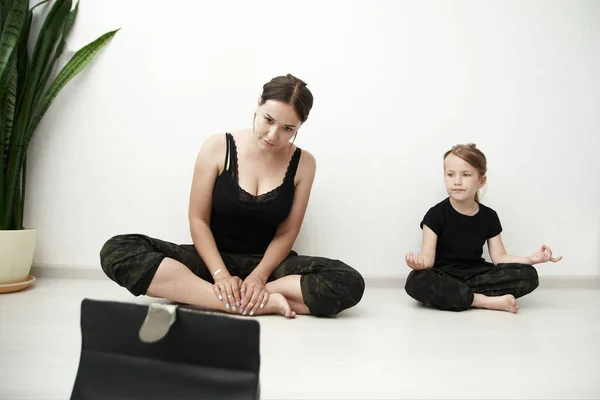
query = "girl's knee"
{"x": 415, "y": 281}
{"x": 528, "y": 280}
{"x": 429, "y": 288}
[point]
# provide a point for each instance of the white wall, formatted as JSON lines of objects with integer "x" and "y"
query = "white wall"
{"x": 395, "y": 85}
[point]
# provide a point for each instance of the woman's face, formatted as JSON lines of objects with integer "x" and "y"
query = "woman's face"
{"x": 275, "y": 124}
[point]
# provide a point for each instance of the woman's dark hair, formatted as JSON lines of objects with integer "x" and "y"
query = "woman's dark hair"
{"x": 290, "y": 90}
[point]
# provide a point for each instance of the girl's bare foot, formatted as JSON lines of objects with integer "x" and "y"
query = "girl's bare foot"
{"x": 502, "y": 303}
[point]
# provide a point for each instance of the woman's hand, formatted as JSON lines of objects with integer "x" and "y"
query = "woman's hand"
{"x": 227, "y": 289}
{"x": 544, "y": 254}
{"x": 253, "y": 294}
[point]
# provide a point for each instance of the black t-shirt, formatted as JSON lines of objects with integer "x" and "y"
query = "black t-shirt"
{"x": 460, "y": 237}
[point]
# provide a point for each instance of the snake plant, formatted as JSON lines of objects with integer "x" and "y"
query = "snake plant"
{"x": 26, "y": 91}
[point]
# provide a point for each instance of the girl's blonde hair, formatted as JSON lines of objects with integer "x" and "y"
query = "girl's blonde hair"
{"x": 471, "y": 154}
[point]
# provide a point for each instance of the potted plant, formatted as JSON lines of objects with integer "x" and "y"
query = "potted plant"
{"x": 25, "y": 95}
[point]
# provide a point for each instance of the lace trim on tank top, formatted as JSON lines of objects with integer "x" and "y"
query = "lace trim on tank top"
{"x": 233, "y": 172}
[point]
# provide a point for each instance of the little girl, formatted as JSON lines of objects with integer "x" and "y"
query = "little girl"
{"x": 450, "y": 273}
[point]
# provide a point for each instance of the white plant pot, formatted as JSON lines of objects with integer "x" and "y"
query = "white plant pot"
{"x": 16, "y": 255}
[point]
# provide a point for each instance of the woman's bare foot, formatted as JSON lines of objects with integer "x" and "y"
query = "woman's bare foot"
{"x": 502, "y": 303}
{"x": 277, "y": 304}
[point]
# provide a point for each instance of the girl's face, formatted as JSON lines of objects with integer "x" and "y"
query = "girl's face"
{"x": 275, "y": 124}
{"x": 461, "y": 178}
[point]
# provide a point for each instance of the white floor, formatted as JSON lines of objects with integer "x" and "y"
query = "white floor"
{"x": 387, "y": 347}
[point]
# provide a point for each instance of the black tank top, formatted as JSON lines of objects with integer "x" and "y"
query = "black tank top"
{"x": 244, "y": 223}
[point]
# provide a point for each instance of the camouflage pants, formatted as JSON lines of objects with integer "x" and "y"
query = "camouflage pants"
{"x": 328, "y": 286}
{"x": 451, "y": 287}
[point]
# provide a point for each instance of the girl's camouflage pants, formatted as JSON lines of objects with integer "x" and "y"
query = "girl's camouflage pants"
{"x": 451, "y": 286}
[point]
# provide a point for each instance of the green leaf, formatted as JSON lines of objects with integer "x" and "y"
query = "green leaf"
{"x": 7, "y": 116}
{"x": 73, "y": 67}
{"x": 11, "y": 33}
{"x": 49, "y": 34}
{"x": 5, "y": 6}
{"x": 67, "y": 29}
{"x": 57, "y": 53}
{"x": 23, "y": 81}
{"x": 23, "y": 62}
{"x": 9, "y": 41}
{"x": 20, "y": 200}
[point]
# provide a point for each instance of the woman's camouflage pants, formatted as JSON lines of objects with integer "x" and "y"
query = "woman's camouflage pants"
{"x": 451, "y": 287}
{"x": 328, "y": 286}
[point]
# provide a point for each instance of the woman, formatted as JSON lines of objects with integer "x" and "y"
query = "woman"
{"x": 248, "y": 198}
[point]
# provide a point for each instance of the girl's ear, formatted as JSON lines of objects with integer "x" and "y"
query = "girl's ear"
{"x": 482, "y": 181}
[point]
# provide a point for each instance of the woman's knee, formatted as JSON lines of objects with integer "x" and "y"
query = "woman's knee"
{"x": 337, "y": 288}
{"x": 121, "y": 259}
{"x": 356, "y": 285}
{"x": 116, "y": 249}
